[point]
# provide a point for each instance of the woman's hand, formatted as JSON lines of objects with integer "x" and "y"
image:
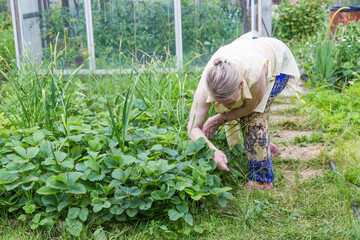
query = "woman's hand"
{"x": 221, "y": 161}
{"x": 212, "y": 125}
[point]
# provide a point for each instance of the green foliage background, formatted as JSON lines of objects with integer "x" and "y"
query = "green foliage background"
{"x": 7, "y": 45}
{"x": 333, "y": 61}
{"x": 145, "y": 28}
{"x": 299, "y": 20}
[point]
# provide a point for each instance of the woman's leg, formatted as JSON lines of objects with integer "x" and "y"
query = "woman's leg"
{"x": 255, "y": 128}
{"x": 256, "y": 134}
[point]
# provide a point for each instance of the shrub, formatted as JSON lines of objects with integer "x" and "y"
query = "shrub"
{"x": 299, "y": 20}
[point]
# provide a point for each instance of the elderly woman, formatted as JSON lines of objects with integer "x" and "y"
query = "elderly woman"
{"x": 242, "y": 79}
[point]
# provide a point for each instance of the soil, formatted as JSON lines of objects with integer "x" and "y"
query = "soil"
{"x": 289, "y": 135}
{"x": 281, "y": 118}
{"x": 299, "y": 153}
{"x": 280, "y": 107}
{"x": 303, "y": 175}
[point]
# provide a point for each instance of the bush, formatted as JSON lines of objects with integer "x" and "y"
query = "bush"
{"x": 299, "y": 20}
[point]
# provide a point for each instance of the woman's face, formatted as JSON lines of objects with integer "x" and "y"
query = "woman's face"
{"x": 232, "y": 101}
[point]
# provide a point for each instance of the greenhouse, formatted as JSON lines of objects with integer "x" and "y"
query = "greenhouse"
{"x": 103, "y": 29}
{"x": 179, "y": 119}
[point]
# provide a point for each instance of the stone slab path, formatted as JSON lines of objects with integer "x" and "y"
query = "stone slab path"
{"x": 289, "y": 148}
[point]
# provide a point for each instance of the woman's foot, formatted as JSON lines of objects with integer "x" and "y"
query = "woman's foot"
{"x": 273, "y": 148}
{"x": 256, "y": 185}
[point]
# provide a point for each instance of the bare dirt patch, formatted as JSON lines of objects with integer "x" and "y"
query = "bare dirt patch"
{"x": 280, "y": 107}
{"x": 281, "y": 118}
{"x": 288, "y": 135}
{"x": 286, "y": 150}
{"x": 300, "y": 153}
{"x": 304, "y": 175}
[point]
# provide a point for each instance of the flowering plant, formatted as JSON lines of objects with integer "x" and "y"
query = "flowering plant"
{"x": 348, "y": 56}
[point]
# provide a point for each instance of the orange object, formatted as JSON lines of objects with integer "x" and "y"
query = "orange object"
{"x": 344, "y": 16}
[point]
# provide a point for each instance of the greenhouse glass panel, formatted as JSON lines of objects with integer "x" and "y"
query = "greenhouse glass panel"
{"x": 124, "y": 32}
{"x": 207, "y": 25}
{"x": 49, "y": 23}
{"x": 132, "y": 31}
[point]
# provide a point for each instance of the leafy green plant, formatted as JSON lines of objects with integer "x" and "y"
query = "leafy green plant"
{"x": 299, "y": 20}
{"x": 43, "y": 182}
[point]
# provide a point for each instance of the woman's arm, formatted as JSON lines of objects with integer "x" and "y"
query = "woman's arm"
{"x": 257, "y": 91}
{"x": 198, "y": 115}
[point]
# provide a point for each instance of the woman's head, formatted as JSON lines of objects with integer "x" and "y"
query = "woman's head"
{"x": 224, "y": 82}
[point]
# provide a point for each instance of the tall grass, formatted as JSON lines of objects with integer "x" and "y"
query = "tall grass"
{"x": 37, "y": 95}
{"x": 42, "y": 96}
{"x": 324, "y": 54}
{"x": 120, "y": 109}
{"x": 164, "y": 91}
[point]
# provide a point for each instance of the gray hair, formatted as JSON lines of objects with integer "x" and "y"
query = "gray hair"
{"x": 223, "y": 80}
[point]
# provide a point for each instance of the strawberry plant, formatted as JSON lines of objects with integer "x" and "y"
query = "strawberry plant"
{"x": 80, "y": 159}
{"x": 44, "y": 180}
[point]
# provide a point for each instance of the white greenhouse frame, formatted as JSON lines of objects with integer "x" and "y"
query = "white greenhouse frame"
{"x": 17, "y": 20}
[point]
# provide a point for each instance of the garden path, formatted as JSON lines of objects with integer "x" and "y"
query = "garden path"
{"x": 290, "y": 133}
